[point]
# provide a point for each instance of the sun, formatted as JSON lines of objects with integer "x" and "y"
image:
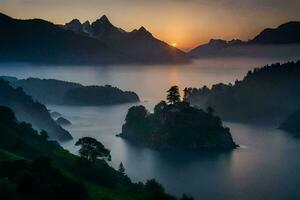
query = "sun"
{"x": 174, "y": 44}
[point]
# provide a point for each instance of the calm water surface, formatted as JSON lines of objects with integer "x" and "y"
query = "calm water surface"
{"x": 265, "y": 167}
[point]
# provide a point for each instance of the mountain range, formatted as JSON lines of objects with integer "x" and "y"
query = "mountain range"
{"x": 283, "y": 40}
{"x": 40, "y": 41}
{"x": 102, "y": 43}
{"x": 138, "y": 44}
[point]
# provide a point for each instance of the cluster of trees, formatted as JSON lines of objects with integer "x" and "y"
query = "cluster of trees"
{"x": 91, "y": 149}
{"x": 98, "y": 95}
{"x": 176, "y": 125}
{"x": 173, "y": 94}
{"x": 266, "y": 94}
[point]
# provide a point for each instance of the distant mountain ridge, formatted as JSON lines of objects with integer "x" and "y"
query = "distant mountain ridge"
{"x": 100, "y": 43}
{"x": 264, "y": 42}
{"x": 287, "y": 33}
{"x": 139, "y": 43}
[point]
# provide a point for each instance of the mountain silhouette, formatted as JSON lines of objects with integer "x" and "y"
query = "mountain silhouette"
{"x": 285, "y": 39}
{"x": 138, "y": 44}
{"x": 287, "y": 33}
{"x": 39, "y": 41}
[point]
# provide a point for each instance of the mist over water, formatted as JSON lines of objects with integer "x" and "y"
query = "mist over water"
{"x": 265, "y": 167}
{"x": 149, "y": 81}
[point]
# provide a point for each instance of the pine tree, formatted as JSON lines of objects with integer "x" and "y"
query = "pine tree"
{"x": 121, "y": 168}
{"x": 173, "y": 95}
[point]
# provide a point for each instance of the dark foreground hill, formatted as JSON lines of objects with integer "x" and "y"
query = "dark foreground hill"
{"x": 26, "y": 109}
{"x": 32, "y": 167}
{"x": 51, "y": 91}
{"x": 266, "y": 94}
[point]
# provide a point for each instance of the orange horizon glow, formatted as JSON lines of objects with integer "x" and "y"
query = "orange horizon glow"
{"x": 186, "y": 23}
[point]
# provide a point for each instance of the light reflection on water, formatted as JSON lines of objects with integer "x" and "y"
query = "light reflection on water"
{"x": 150, "y": 82}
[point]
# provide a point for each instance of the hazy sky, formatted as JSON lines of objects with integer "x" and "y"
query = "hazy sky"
{"x": 185, "y": 22}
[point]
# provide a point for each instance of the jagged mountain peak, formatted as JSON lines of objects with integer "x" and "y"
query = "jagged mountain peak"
{"x": 102, "y": 22}
{"x": 74, "y": 25}
{"x": 104, "y": 19}
{"x": 142, "y": 32}
{"x": 74, "y": 21}
{"x": 143, "y": 29}
{"x": 86, "y": 23}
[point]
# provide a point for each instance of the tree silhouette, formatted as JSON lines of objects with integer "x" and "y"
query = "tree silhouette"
{"x": 91, "y": 149}
{"x": 136, "y": 114}
{"x": 121, "y": 168}
{"x": 187, "y": 93}
{"x": 160, "y": 107}
{"x": 154, "y": 186}
{"x": 173, "y": 95}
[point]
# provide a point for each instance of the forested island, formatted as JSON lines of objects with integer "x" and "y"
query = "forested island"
{"x": 98, "y": 95}
{"x": 176, "y": 125}
{"x": 265, "y": 95}
{"x": 29, "y": 110}
{"x": 292, "y": 123}
{"x": 52, "y": 91}
{"x": 34, "y": 167}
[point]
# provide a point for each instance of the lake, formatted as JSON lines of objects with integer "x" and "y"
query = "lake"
{"x": 265, "y": 167}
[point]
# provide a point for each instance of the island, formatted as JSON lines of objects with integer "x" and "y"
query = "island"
{"x": 57, "y": 92}
{"x": 176, "y": 125}
{"x": 292, "y": 123}
{"x": 98, "y": 95}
